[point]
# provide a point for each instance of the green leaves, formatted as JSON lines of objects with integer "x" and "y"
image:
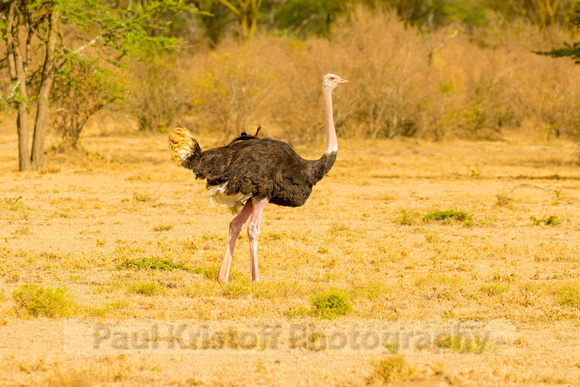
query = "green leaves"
{"x": 91, "y": 69}
{"x": 573, "y": 51}
{"x": 135, "y": 32}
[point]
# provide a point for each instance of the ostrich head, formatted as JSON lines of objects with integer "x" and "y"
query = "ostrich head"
{"x": 332, "y": 80}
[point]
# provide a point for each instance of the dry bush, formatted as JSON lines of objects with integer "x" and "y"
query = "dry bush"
{"x": 512, "y": 88}
{"x": 388, "y": 63}
{"x": 297, "y": 108}
{"x": 274, "y": 82}
{"x": 443, "y": 85}
{"x": 160, "y": 93}
{"x": 393, "y": 368}
{"x": 447, "y": 83}
{"x": 231, "y": 84}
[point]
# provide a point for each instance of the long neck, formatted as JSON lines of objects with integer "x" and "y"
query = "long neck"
{"x": 320, "y": 167}
{"x": 331, "y": 142}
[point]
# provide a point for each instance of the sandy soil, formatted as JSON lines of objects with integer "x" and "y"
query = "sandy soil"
{"x": 506, "y": 276}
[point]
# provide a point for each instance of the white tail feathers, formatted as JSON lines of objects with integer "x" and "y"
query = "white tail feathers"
{"x": 235, "y": 202}
{"x": 182, "y": 145}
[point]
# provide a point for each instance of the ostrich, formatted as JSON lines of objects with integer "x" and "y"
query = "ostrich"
{"x": 251, "y": 172}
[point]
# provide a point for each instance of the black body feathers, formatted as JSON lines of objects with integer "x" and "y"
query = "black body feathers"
{"x": 259, "y": 167}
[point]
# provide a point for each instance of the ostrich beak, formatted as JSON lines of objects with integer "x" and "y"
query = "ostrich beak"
{"x": 342, "y": 81}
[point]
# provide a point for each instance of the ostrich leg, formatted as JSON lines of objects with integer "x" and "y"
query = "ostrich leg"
{"x": 235, "y": 228}
{"x": 254, "y": 233}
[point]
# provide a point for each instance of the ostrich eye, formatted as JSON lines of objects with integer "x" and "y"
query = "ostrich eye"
{"x": 332, "y": 78}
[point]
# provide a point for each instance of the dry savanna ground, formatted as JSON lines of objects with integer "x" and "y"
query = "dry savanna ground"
{"x": 453, "y": 262}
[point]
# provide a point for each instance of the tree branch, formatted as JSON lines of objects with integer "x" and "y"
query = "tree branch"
{"x": 230, "y": 6}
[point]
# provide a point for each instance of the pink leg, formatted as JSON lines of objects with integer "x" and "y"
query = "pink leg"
{"x": 254, "y": 233}
{"x": 235, "y": 228}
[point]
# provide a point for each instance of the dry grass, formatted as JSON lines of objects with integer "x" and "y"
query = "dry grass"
{"x": 393, "y": 368}
{"x": 101, "y": 230}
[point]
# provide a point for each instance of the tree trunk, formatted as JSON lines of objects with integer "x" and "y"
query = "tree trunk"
{"x": 18, "y": 79}
{"x": 48, "y": 73}
{"x": 255, "y": 9}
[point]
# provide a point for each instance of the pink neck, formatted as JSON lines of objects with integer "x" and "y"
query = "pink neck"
{"x": 331, "y": 141}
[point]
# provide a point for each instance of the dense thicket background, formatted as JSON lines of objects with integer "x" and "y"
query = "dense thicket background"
{"x": 430, "y": 69}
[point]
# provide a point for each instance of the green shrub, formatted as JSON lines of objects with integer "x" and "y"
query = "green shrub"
{"x": 44, "y": 302}
{"x": 331, "y": 304}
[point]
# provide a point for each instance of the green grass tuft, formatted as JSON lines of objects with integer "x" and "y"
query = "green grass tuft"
{"x": 450, "y": 214}
{"x": 94, "y": 311}
{"x": 121, "y": 304}
{"x": 150, "y": 263}
{"x": 331, "y": 304}
{"x": 569, "y": 295}
{"x": 14, "y": 204}
{"x": 392, "y": 347}
{"x": 209, "y": 236}
{"x": 494, "y": 289}
{"x": 147, "y": 288}
{"x": 211, "y": 273}
{"x": 371, "y": 290}
{"x": 463, "y": 343}
{"x": 340, "y": 229}
{"x": 407, "y": 218}
{"x": 163, "y": 227}
{"x": 142, "y": 198}
{"x": 298, "y": 312}
{"x": 44, "y": 302}
{"x": 551, "y": 221}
